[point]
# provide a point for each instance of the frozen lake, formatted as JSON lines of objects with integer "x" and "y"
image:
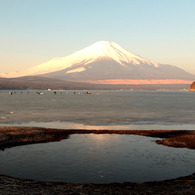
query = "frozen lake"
{"x": 99, "y": 110}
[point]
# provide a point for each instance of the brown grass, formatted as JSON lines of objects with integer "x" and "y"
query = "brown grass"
{"x": 14, "y": 136}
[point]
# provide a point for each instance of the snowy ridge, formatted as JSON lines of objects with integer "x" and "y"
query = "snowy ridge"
{"x": 101, "y": 49}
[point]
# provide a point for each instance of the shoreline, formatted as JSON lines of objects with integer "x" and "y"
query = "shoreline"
{"x": 11, "y": 136}
{"x": 182, "y": 185}
{"x": 15, "y": 136}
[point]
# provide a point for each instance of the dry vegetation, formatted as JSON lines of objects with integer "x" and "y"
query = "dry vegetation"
{"x": 183, "y": 185}
{"x": 14, "y": 136}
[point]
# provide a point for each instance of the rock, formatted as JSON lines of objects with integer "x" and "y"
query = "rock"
{"x": 192, "y": 87}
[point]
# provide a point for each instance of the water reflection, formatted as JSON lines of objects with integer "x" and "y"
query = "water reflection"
{"x": 95, "y": 158}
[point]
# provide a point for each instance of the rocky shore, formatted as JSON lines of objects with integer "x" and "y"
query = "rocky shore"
{"x": 15, "y": 136}
{"x": 13, "y": 186}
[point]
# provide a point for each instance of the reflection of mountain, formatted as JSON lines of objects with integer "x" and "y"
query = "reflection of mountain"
{"x": 104, "y": 61}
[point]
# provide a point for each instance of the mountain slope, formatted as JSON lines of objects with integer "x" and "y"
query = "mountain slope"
{"x": 102, "y": 69}
{"x": 104, "y": 60}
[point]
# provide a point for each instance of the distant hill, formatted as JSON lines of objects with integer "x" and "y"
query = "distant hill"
{"x": 34, "y": 82}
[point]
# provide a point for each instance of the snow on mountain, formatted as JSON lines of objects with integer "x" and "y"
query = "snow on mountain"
{"x": 98, "y": 50}
{"x": 101, "y": 61}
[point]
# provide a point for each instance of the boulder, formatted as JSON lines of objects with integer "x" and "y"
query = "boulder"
{"x": 192, "y": 87}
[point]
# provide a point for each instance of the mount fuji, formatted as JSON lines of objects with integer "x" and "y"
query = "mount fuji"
{"x": 106, "y": 62}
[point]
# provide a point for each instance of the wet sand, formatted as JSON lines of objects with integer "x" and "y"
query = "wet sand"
{"x": 15, "y": 136}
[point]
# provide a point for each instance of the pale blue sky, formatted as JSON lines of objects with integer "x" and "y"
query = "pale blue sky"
{"x": 34, "y": 31}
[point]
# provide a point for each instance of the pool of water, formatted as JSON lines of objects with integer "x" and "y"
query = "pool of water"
{"x": 91, "y": 158}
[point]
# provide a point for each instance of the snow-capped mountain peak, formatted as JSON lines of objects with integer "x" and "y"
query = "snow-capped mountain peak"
{"x": 98, "y": 50}
{"x": 113, "y": 51}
